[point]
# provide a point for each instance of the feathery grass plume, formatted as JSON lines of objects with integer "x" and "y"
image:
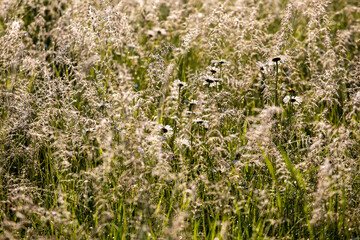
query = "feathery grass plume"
{"x": 159, "y": 119}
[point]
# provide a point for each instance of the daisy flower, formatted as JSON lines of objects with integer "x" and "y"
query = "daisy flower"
{"x": 213, "y": 70}
{"x": 279, "y": 58}
{"x": 179, "y": 83}
{"x": 293, "y": 100}
{"x": 220, "y": 62}
{"x": 165, "y": 130}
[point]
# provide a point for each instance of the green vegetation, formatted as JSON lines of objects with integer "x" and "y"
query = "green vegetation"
{"x": 181, "y": 119}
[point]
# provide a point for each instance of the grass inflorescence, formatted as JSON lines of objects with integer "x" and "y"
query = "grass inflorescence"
{"x": 179, "y": 119}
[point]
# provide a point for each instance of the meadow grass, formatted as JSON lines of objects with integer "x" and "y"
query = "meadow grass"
{"x": 180, "y": 119}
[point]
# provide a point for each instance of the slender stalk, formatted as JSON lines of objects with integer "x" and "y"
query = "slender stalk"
{"x": 276, "y": 83}
{"x": 179, "y": 101}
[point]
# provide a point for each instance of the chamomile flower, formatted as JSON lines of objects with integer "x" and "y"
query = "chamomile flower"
{"x": 198, "y": 120}
{"x": 270, "y": 64}
{"x": 211, "y": 81}
{"x": 207, "y": 79}
{"x": 279, "y": 58}
{"x": 293, "y": 100}
{"x": 213, "y": 70}
{"x": 276, "y": 59}
{"x": 165, "y": 130}
{"x": 156, "y": 32}
{"x": 160, "y": 31}
{"x": 220, "y": 62}
{"x": 202, "y": 122}
{"x": 179, "y": 83}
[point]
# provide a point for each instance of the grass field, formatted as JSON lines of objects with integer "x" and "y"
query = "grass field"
{"x": 180, "y": 119}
